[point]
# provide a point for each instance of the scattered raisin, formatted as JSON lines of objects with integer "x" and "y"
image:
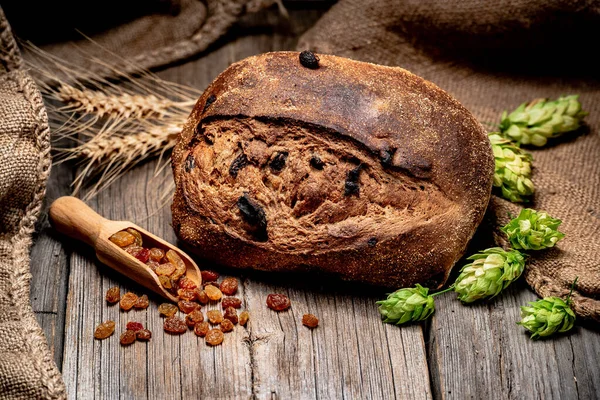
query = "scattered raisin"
{"x": 194, "y": 318}
{"x": 231, "y": 302}
{"x": 372, "y": 242}
{"x": 165, "y": 269}
{"x": 143, "y": 255}
{"x": 278, "y": 302}
{"x": 244, "y": 316}
{"x": 211, "y": 99}
{"x": 214, "y": 337}
{"x": 213, "y": 292}
{"x": 104, "y": 330}
{"x": 153, "y": 265}
{"x": 174, "y": 259}
{"x": 186, "y": 283}
{"x": 255, "y": 216}
{"x": 143, "y": 334}
{"x": 239, "y": 163}
{"x": 229, "y": 286}
{"x": 309, "y": 59}
{"x": 351, "y": 186}
{"x": 190, "y": 163}
{"x": 134, "y": 326}
{"x": 310, "y": 321}
{"x": 175, "y": 325}
{"x": 201, "y": 329}
{"x": 278, "y": 162}
{"x": 231, "y": 315}
{"x": 122, "y": 238}
{"x": 127, "y": 337}
{"x": 201, "y": 296}
{"x": 214, "y": 316}
{"x": 156, "y": 254}
{"x": 128, "y": 301}
{"x": 187, "y": 307}
{"x": 142, "y": 302}
{"x": 316, "y": 162}
{"x": 113, "y": 295}
{"x": 209, "y": 276}
{"x": 167, "y": 309}
{"x": 137, "y": 235}
{"x": 186, "y": 294}
{"x": 226, "y": 325}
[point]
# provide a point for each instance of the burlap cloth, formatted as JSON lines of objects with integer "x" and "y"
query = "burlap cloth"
{"x": 493, "y": 55}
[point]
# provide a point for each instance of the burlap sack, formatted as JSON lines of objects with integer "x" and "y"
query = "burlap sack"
{"x": 492, "y": 55}
{"x": 27, "y": 370}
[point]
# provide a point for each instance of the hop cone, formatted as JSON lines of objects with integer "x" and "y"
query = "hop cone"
{"x": 513, "y": 169}
{"x": 491, "y": 271}
{"x": 547, "y": 316}
{"x": 533, "y": 230}
{"x": 536, "y": 122}
{"x": 407, "y": 305}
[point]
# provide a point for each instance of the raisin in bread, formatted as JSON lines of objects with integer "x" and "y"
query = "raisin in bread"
{"x": 363, "y": 171}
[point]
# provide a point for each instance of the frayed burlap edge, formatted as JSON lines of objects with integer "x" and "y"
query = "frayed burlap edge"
{"x": 38, "y": 353}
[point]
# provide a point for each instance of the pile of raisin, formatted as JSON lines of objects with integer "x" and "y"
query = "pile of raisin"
{"x": 167, "y": 265}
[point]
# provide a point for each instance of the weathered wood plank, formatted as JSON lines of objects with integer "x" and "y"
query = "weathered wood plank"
{"x": 478, "y": 351}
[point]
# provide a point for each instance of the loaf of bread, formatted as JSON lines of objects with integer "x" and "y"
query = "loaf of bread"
{"x": 353, "y": 169}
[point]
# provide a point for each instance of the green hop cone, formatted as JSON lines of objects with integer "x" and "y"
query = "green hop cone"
{"x": 542, "y": 119}
{"x": 547, "y": 316}
{"x": 513, "y": 169}
{"x": 407, "y": 305}
{"x": 533, "y": 230}
{"x": 491, "y": 271}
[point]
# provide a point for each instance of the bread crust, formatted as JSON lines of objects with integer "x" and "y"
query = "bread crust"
{"x": 424, "y": 171}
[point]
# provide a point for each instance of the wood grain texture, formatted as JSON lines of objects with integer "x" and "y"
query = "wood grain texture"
{"x": 463, "y": 352}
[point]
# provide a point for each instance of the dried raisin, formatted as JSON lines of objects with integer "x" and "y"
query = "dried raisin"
{"x": 244, "y": 317}
{"x": 255, "y": 216}
{"x": 231, "y": 302}
{"x": 127, "y": 301}
{"x": 278, "y": 302}
{"x": 186, "y": 283}
{"x": 352, "y": 185}
{"x": 165, "y": 269}
{"x": 142, "y": 302}
{"x": 213, "y": 283}
{"x": 127, "y": 337}
{"x": 214, "y": 316}
{"x": 166, "y": 282}
{"x": 309, "y": 59}
{"x": 113, "y": 295}
{"x": 104, "y": 330}
{"x": 201, "y": 296}
{"x": 237, "y": 165}
{"x": 153, "y": 265}
{"x": 133, "y": 249}
{"x": 209, "y": 276}
{"x": 186, "y": 294}
{"x": 310, "y": 321}
{"x": 316, "y": 162}
{"x": 226, "y": 325}
{"x": 187, "y": 307}
{"x": 194, "y": 318}
{"x": 137, "y": 235}
{"x": 231, "y": 315}
{"x": 278, "y": 162}
{"x": 122, "y": 238}
{"x": 201, "y": 329}
{"x": 167, "y": 309}
{"x": 175, "y": 325}
{"x": 190, "y": 163}
{"x": 214, "y": 337}
{"x": 134, "y": 326}
{"x": 174, "y": 259}
{"x": 229, "y": 286}
{"x": 213, "y": 293}
{"x": 143, "y": 255}
{"x": 143, "y": 334}
{"x": 157, "y": 254}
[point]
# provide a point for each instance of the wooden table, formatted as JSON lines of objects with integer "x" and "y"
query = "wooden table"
{"x": 462, "y": 352}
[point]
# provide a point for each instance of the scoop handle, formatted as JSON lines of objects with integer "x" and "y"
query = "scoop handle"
{"x": 74, "y": 218}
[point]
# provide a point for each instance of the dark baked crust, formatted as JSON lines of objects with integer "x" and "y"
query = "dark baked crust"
{"x": 250, "y": 194}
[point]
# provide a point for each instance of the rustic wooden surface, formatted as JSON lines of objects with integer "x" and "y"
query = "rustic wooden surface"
{"x": 462, "y": 352}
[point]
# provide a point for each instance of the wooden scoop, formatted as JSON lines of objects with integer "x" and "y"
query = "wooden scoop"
{"x": 74, "y": 218}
